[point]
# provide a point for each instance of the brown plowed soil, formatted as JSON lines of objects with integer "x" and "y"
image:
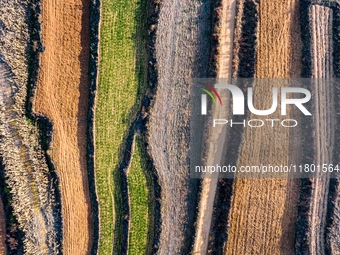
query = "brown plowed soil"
{"x": 263, "y": 211}
{"x": 62, "y": 94}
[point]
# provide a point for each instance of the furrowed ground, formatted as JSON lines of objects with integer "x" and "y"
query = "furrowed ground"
{"x": 320, "y": 19}
{"x": 62, "y": 96}
{"x": 182, "y": 52}
{"x": 139, "y": 190}
{"x": 263, "y": 211}
{"x": 120, "y": 88}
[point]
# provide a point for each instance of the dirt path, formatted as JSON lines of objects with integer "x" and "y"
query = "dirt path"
{"x": 214, "y": 153}
{"x": 323, "y": 118}
{"x": 263, "y": 211}
{"x": 62, "y": 93}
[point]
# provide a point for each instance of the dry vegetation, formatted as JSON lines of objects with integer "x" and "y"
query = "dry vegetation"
{"x": 263, "y": 211}
{"x": 182, "y": 52}
{"x": 62, "y": 94}
{"x": 323, "y": 119}
{"x": 25, "y": 168}
{"x": 333, "y": 218}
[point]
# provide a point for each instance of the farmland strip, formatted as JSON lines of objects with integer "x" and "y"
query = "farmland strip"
{"x": 29, "y": 183}
{"x": 333, "y": 218}
{"x": 182, "y": 52}
{"x": 320, "y": 19}
{"x": 62, "y": 95}
{"x": 321, "y": 25}
{"x": 140, "y": 203}
{"x": 224, "y": 30}
{"x": 121, "y": 86}
{"x": 262, "y": 215}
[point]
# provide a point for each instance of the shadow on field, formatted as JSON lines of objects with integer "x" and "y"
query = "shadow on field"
{"x": 92, "y": 74}
{"x": 84, "y": 87}
{"x": 245, "y": 69}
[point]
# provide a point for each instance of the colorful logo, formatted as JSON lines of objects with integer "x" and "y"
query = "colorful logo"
{"x": 210, "y": 94}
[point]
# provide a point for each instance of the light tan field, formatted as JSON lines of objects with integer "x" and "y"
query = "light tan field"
{"x": 182, "y": 52}
{"x": 323, "y": 118}
{"x": 263, "y": 211}
{"x": 62, "y": 94}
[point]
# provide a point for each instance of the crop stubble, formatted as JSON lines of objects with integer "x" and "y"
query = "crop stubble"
{"x": 263, "y": 211}
{"x": 62, "y": 93}
{"x": 323, "y": 116}
{"x": 182, "y": 52}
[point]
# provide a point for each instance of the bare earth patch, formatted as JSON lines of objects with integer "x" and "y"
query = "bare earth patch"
{"x": 263, "y": 210}
{"x": 62, "y": 94}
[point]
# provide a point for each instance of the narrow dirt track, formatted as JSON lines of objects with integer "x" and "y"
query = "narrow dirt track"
{"x": 263, "y": 211}
{"x": 209, "y": 185}
{"x": 62, "y": 93}
{"x": 323, "y": 118}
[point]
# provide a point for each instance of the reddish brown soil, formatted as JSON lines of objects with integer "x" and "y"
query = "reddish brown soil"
{"x": 62, "y": 94}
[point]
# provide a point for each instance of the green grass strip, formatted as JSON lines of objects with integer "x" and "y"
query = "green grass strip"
{"x": 140, "y": 206}
{"x": 121, "y": 85}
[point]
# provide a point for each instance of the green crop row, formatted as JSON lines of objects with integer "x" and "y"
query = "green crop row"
{"x": 140, "y": 202}
{"x": 121, "y": 84}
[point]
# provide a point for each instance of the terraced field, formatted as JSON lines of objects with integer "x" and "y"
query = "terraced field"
{"x": 62, "y": 95}
{"x": 262, "y": 213}
{"x": 140, "y": 200}
{"x": 121, "y": 85}
{"x": 96, "y": 127}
